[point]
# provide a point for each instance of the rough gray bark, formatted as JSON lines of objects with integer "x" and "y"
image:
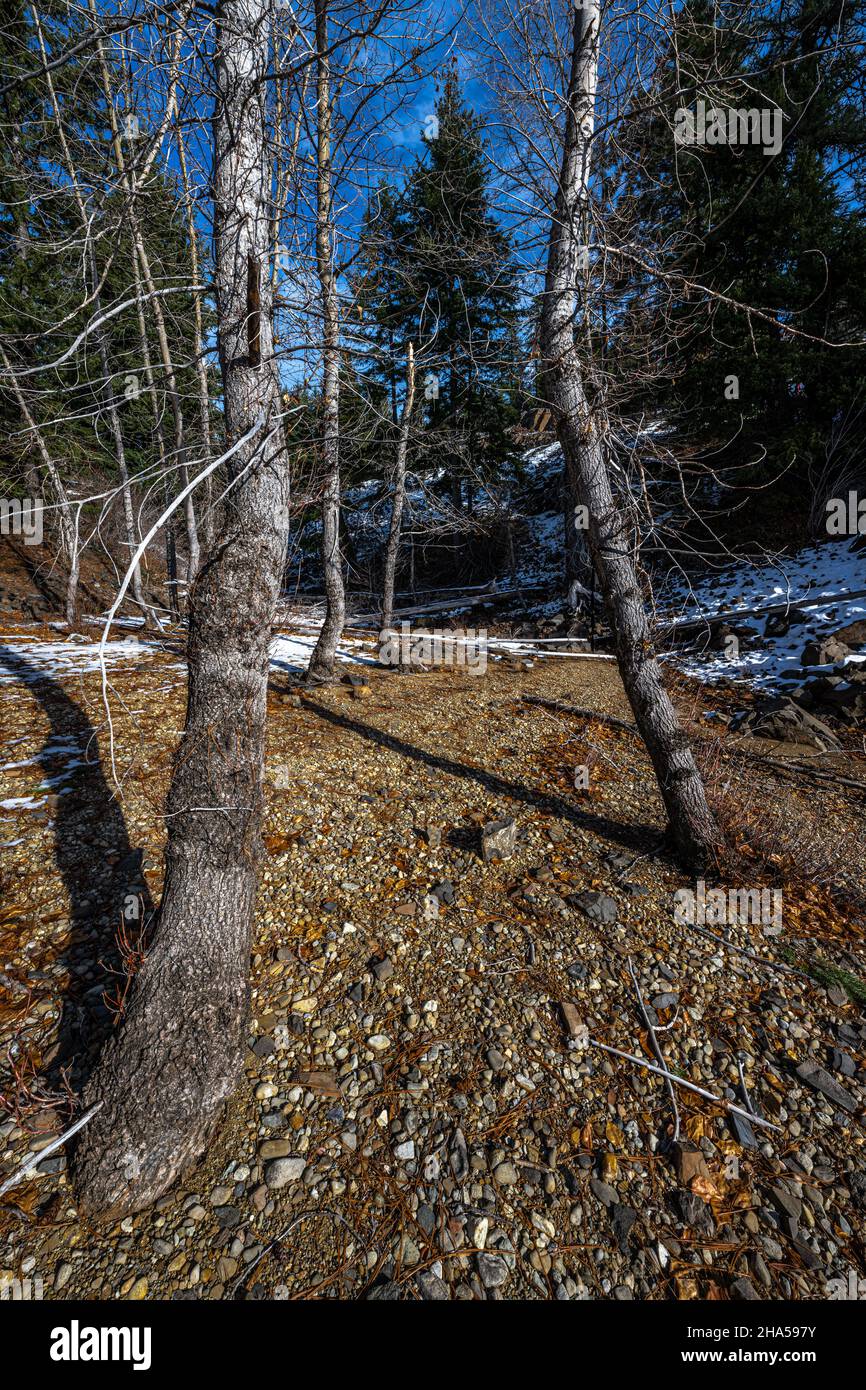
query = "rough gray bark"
{"x": 321, "y": 665}
{"x": 578, "y": 561}
{"x": 582, "y": 429}
{"x": 164, "y": 1077}
{"x": 398, "y": 495}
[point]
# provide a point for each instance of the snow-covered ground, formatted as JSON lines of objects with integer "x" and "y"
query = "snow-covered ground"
{"x": 816, "y": 581}
{"x": 292, "y": 652}
{"x": 28, "y": 658}
{"x": 823, "y": 581}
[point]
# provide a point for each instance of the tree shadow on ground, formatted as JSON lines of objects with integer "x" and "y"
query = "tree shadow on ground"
{"x": 643, "y": 839}
{"x": 102, "y": 873}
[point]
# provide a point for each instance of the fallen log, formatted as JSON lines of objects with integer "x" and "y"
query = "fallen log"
{"x": 784, "y": 765}
{"x": 706, "y": 620}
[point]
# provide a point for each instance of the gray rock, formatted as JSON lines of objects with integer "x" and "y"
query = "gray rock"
{"x": 389, "y": 1292}
{"x": 664, "y": 1001}
{"x": 694, "y": 1211}
{"x": 597, "y": 906}
{"x": 780, "y": 718}
{"x": 840, "y": 1061}
{"x": 606, "y": 1194}
{"x": 808, "y": 1256}
{"x": 622, "y": 1219}
{"x": 51, "y": 1166}
{"x": 821, "y": 1080}
{"x": 743, "y": 1131}
{"x": 444, "y": 891}
{"x": 761, "y": 1271}
{"x": 789, "y": 1205}
{"x": 459, "y": 1156}
{"x": 229, "y": 1217}
{"x": 431, "y": 1287}
{"x": 426, "y": 1218}
{"x": 282, "y": 1171}
{"x": 492, "y": 1270}
{"x": 823, "y": 652}
{"x": 498, "y": 839}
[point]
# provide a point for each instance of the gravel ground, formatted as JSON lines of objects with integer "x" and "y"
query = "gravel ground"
{"x": 426, "y": 1113}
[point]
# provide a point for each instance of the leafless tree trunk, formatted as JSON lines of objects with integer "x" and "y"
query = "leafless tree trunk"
{"x": 582, "y": 429}
{"x": 578, "y": 562}
{"x": 116, "y": 431}
{"x": 321, "y": 665}
{"x": 111, "y": 411}
{"x": 68, "y": 516}
{"x": 150, "y": 382}
{"x": 143, "y": 268}
{"x": 200, "y": 360}
{"x": 399, "y": 493}
{"x": 165, "y": 1075}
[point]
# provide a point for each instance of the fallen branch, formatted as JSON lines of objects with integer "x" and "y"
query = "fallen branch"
{"x": 657, "y": 1050}
{"x": 689, "y": 1085}
{"x": 745, "y": 951}
{"x": 27, "y": 1168}
{"x": 595, "y": 715}
{"x": 790, "y": 765}
{"x": 746, "y": 1097}
{"x": 734, "y": 615}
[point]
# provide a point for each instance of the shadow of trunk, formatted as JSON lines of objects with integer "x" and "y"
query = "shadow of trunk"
{"x": 102, "y": 873}
{"x": 642, "y": 838}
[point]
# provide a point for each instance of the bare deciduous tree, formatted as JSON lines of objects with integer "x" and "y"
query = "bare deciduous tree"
{"x": 163, "y": 1078}
{"x": 322, "y": 660}
{"x": 398, "y": 492}
{"x": 582, "y": 427}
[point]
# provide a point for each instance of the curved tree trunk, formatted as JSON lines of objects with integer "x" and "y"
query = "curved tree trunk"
{"x": 163, "y": 1078}
{"x": 399, "y": 494}
{"x": 582, "y": 429}
{"x": 578, "y": 561}
{"x": 321, "y": 665}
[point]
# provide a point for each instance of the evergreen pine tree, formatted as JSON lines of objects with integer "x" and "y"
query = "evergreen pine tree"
{"x": 438, "y": 270}
{"x": 781, "y": 233}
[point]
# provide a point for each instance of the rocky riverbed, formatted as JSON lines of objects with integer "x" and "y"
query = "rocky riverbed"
{"x": 426, "y": 1112}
